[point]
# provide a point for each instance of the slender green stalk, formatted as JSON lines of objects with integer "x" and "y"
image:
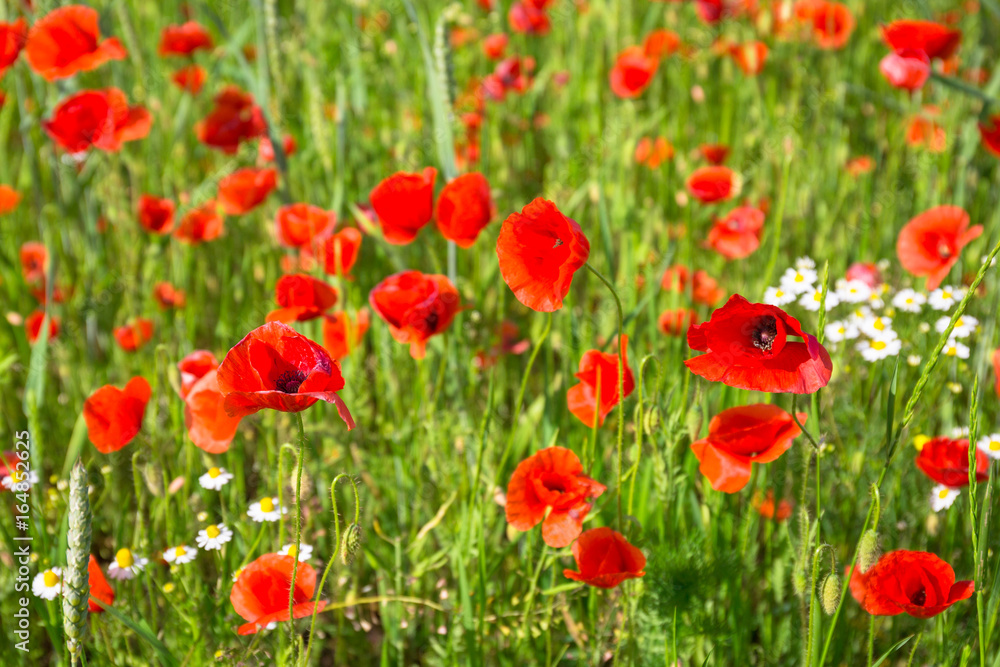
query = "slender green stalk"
{"x": 621, "y": 384}
{"x": 298, "y": 526}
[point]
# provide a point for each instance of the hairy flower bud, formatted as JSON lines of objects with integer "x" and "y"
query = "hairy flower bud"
{"x": 868, "y": 551}
{"x": 830, "y": 594}
{"x": 350, "y": 544}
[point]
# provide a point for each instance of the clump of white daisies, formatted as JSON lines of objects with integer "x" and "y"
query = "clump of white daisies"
{"x": 870, "y": 321}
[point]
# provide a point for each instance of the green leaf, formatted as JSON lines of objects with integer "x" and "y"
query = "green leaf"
{"x": 143, "y": 630}
{"x": 892, "y": 649}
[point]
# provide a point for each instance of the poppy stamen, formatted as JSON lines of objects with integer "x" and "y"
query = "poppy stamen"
{"x": 289, "y": 381}
{"x": 919, "y": 598}
{"x": 559, "y": 242}
{"x": 764, "y": 334}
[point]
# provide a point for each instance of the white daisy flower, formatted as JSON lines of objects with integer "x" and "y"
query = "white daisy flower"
{"x": 859, "y": 315}
{"x": 909, "y": 300}
{"x": 943, "y": 298}
{"x": 955, "y": 349}
{"x": 924, "y": 327}
{"x": 266, "y": 510}
{"x": 840, "y": 330}
{"x": 811, "y": 301}
{"x": 48, "y": 584}
{"x": 305, "y": 551}
{"x": 943, "y": 497}
{"x": 964, "y": 326}
{"x": 211, "y": 538}
{"x": 180, "y": 555}
{"x": 126, "y": 565}
{"x": 877, "y": 326}
{"x": 798, "y": 281}
{"x": 990, "y": 445}
{"x": 805, "y": 263}
{"x": 875, "y": 300}
{"x": 215, "y": 479}
{"x": 853, "y": 291}
{"x": 18, "y": 477}
{"x": 876, "y": 349}
{"x": 914, "y": 360}
{"x": 776, "y": 296}
{"x": 960, "y": 432}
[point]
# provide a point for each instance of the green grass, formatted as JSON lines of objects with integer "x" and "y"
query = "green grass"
{"x": 440, "y": 579}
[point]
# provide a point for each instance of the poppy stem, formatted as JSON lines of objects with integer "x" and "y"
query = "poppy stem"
{"x": 621, "y": 383}
{"x": 963, "y": 87}
{"x": 298, "y": 526}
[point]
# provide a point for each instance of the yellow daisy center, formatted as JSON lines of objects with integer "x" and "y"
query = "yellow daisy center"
{"x": 799, "y": 277}
{"x": 878, "y": 345}
{"x": 994, "y": 445}
{"x": 909, "y": 299}
{"x": 779, "y": 293}
{"x": 951, "y": 351}
{"x": 124, "y": 558}
{"x": 214, "y": 472}
{"x": 818, "y": 296}
{"x": 213, "y": 532}
{"x": 879, "y": 324}
{"x": 942, "y": 494}
{"x": 179, "y": 551}
{"x": 292, "y": 551}
{"x": 958, "y": 323}
{"x": 267, "y": 505}
{"x": 946, "y": 294}
{"x": 51, "y": 578}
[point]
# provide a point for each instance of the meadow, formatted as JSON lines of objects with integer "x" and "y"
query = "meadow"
{"x": 499, "y": 332}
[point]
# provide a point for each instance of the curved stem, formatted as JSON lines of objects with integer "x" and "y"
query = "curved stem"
{"x": 298, "y": 527}
{"x": 640, "y": 426}
{"x": 621, "y": 383}
{"x": 537, "y": 345}
{"x": 281, "y": 486}
{"x": 336, "y": 548}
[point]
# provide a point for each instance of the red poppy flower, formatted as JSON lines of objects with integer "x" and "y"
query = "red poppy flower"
{"x": 832, "y": 24}
{"x": 604, "y": 558}
{"x": 34, "y": 261}
{"x": 713, "y": 11}
{"x": 260, "y": 595}
{"x": 208, "y": 425}
{"x": 99, "y": 118}
{"x": 193, "y": 367}
{"x": 653, "y": 153}
{"x": 675, "y": 278}
{"x": 156, "y": 215}
{"x": 946, "y": 461}
{"x": 934, "y": 39}
{"x": 276, "y": 367}
{"x": 9, "y": 199}
{"x": 464, "y": 208}
{"x": 183, "y": 40}
{"x": 340, "y": 335}
{"x": 510, "y": 74}
{"x": 676, "y": 322}
{"x": 632, "y": 72}
{"x": 749, "y": 57}
{"x": 246, "y": 189}
{"x": 301, "y": 298}
{"x": 524, "y": 17}
{"x": 860, "y": 165}
{"x": 906, "y": 68}
{"x": 711, "y": 184}
{"x": 99, "y": 587}
{"x": 200, "y": 224}
{"x": 404, "y": 203}
{"x": 550, "y": 486}
{"x": 930, "y": 244}
{"x": 705, "y": 289}
{"x": 265, "y": 151}
{"x": 338, "y": 252}
{"x": 715, "y": 153}
{"x": 598, "y": 367}
{"x": 12, "y": 39}
{"x": 539, "y": 250}
{"x": 33, "y": 326}
{"x": 416, "y": 306}
{"x": 990, "y": 134}
{"x": 924, "y": 132}
{"x": 747, "y": 347}
{"x": 661, "y": 43}
{"x": 234, "y": 118}
{"x": 767, "y": 509}
{"x": 741, "y": 436}
{"x": 912, "y": 582}
{"x": 297, "y": 225}
{"x": 738, "y": 234}
{"x": 114, "y": 416}
{"x": 866, "y": 272}
{"x": 168, "y": 296}
{"x": 190, "y": 78}
{"x": 495, "y": 45}
{"x": 68, "y": 40}
{"x": 134, "y": 335}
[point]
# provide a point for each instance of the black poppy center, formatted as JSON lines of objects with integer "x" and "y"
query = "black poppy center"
{"x": 919, "y": 598}
{"x": 289, "y": 381}
{"x": 558, "y": 243}
{"x": 944, "y": 250}
{"x": 432, "y": 320}
{"x": 764, "y": 333}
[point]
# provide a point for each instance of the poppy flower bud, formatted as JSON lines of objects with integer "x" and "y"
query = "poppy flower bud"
{"x": 868, "y": 551}
{"x": 350, "y": 544}
{"x": 694, "y": 420}
{"x": 830, "y": 594}
{"x": 153, "y": 476}
{"x": 799, "y": 582}
{"x": 651, "y": 420}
